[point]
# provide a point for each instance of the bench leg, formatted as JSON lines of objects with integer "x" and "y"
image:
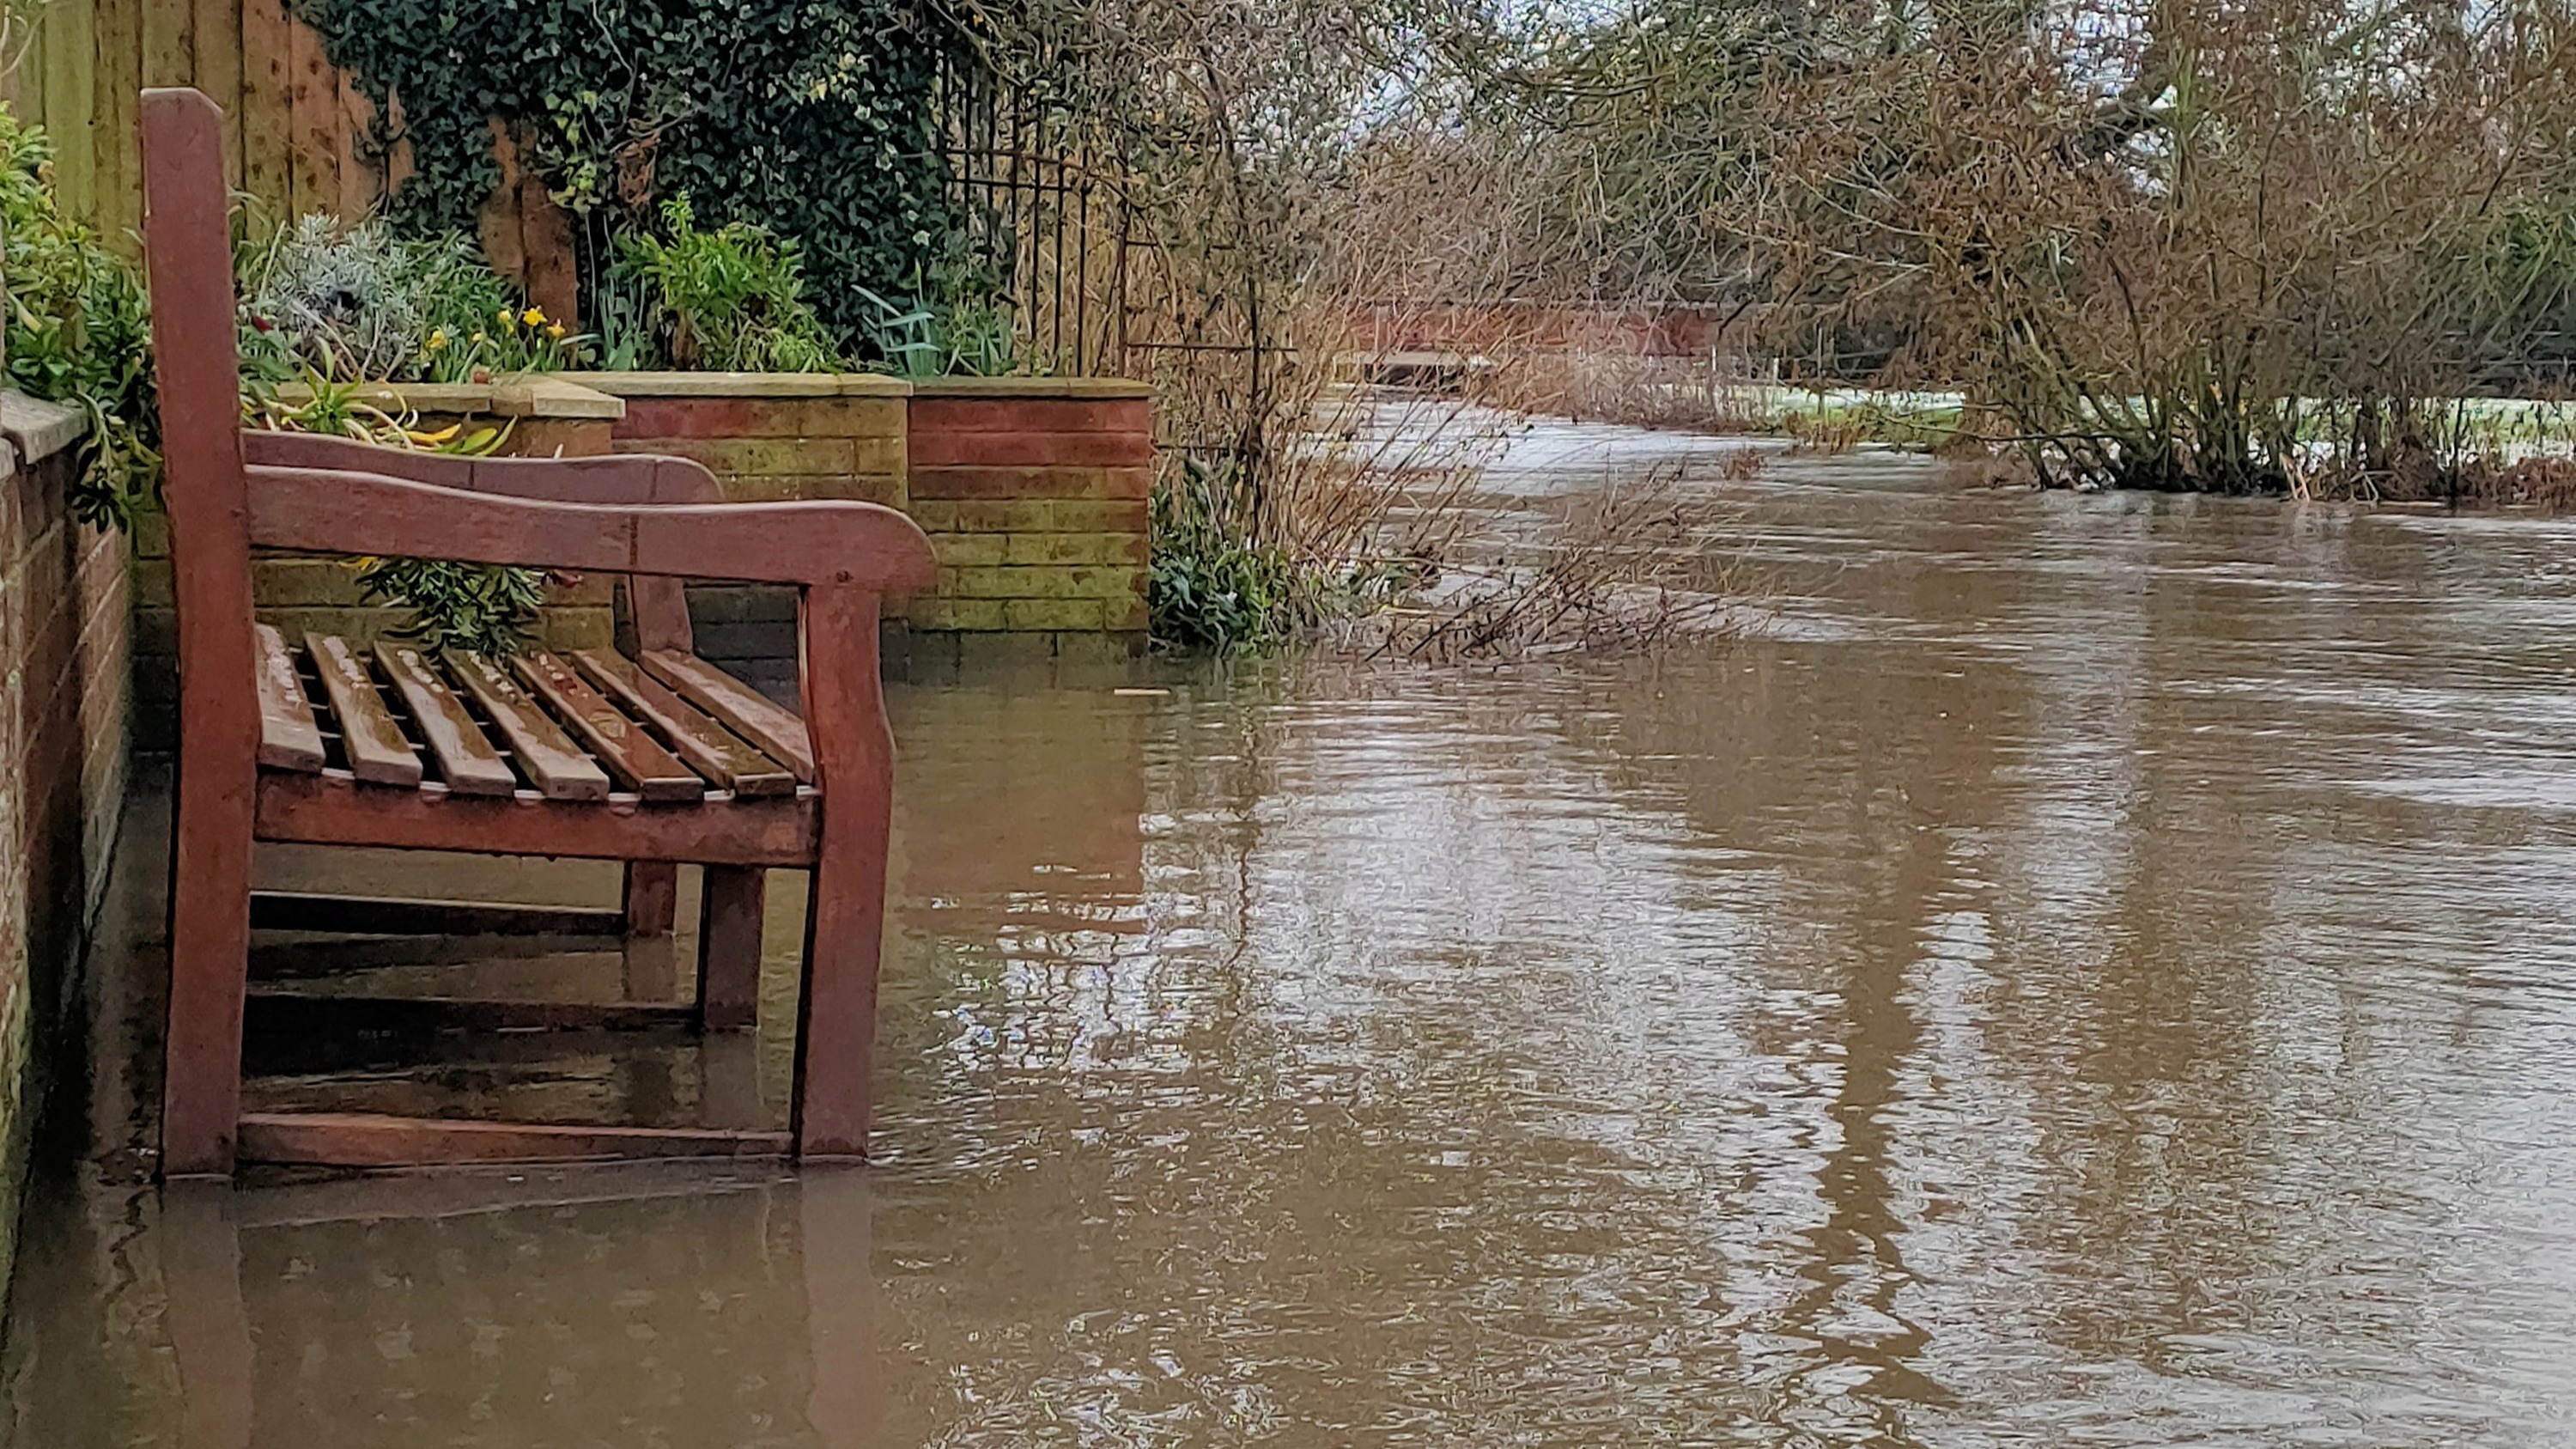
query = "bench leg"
{"x": 836, "y": 1024}
{"x": 209, "y": 970}
{"x": 652, "y": 897}
{"x": 729, "y": 916}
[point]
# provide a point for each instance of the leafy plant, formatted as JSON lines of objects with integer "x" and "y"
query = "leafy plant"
{"x": 728, "y": 300}
{"x": 1210, "y": 587}
{"x": 955, "y": 330}
{"x": 78, "y": 332}
{"x": 623, "y": 313}
{"x": 357, "y": 303}
{"x": 480, "y": 609}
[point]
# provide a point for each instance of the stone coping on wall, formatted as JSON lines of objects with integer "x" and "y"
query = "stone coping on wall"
{"x": 1078, "y": 388}
{"x": 603, "y": 394}
{"x": 745, "y": 384}
{"x": 533, "y": 395}
{"x": 853, "y": 384}
{"x": 36, "y": 429}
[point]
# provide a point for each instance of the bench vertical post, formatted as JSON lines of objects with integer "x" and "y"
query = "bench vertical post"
{"x": 188, "y": 246}
{"x": 660, "y": 610}
{"x": 729, "y": 922}
{"x": 845, "y": 914}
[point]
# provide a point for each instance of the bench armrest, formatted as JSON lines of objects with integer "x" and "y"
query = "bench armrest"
{"x": 853, "y": 545}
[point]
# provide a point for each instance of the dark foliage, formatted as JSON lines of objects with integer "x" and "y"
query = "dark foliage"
{"x": 811, "y": 118}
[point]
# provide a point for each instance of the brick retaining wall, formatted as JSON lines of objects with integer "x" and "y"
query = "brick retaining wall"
{"x": 64, "y": 665}
{"x": 1033, "y": 493}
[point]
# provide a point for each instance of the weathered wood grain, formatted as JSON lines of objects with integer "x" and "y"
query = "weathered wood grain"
{"x": 189, "y": 245}
{"x": 378, "y": 752}
{"x": 708, "y": 747}
{"x": 742, "y": 709}
{"x": 553, "y": 763}
{"x": 729, "y": 929}
{"x": 333, "y": 809}
{"x": 467, "y": 762}
{"x": 353, "y": 1139}
{"x": 845, "y": 914}
{"x": 403, "y": 916}
{"x": 630, "y": 754}
{"x": 288, "y": 737}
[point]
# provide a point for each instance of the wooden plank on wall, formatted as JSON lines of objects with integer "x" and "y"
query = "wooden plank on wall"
{"x": 357, "y": 179}
{"x": 265, "y": 118}
{"x": 67, "y": 52}
{"x": 119, "y": 198}
{"x": 169, "y": 33}
{"x": 313, "y": 90}
{"x": 217, "y": 29}
{"x": 22, "y": 86}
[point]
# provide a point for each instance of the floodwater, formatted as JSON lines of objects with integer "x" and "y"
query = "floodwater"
{"x": 2098, "y": 971}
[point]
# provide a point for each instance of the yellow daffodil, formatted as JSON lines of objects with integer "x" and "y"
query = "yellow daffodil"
{"x": 479, "y": 339}
{"x": 555, "y": 330}
{"x": 437, "y": 339}
{"x": 502, "y": 316}
{"x": 534, "y": 316}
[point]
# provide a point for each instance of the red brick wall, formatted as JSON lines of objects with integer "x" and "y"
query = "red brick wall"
{"x": 65, "y": 659}
{"x": 1033, "y": 493}
{"x": 767, "y": 449}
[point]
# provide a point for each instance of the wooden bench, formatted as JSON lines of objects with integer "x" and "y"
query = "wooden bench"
{"x": 655, "y": 760}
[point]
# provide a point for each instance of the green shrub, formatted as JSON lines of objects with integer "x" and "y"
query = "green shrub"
{"x": 1210, "y": 587}
{"x": 948, "y": 329}
{"x": 728, "y": 300}
{"x": 78, "y": 333}
{"x": 480, "y": 609}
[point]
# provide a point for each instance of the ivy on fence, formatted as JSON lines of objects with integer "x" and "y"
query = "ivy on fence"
{"x": 813, "y": 118}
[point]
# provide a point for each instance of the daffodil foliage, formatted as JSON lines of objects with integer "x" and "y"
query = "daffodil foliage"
{"x": 811, "y": 118}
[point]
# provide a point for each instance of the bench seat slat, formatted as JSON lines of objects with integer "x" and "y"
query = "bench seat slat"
{"x": 288, "y": 737}
{"x": 634, "y": 757}
{"x": 554, "y": 764}
{"x": 466, "y": 760}
{"x": 378, "y": 753}
{"x": 708, "y": 747}
{"x": 742, "y": 709}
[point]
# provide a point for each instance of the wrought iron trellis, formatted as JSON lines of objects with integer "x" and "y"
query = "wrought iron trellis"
{"x": 1039, "y": 213}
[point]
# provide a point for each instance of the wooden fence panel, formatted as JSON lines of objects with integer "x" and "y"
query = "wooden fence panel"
{"x": 294, "y": 125}
{"x": 264, "y": 120}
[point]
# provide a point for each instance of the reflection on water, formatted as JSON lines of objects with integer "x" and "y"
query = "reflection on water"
{"x": 2104, "y": 973}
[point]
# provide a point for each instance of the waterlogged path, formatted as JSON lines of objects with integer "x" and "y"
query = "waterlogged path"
{"x": 2103, "y": 972}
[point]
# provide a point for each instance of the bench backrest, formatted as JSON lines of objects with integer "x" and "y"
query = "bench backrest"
{"x": 188, "y": 247}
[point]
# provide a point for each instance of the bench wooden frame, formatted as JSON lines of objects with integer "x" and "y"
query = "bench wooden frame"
{"x": 777, "y": 791}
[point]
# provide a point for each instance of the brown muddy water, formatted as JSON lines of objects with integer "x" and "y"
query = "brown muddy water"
{"x": 2102, "y": 971}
